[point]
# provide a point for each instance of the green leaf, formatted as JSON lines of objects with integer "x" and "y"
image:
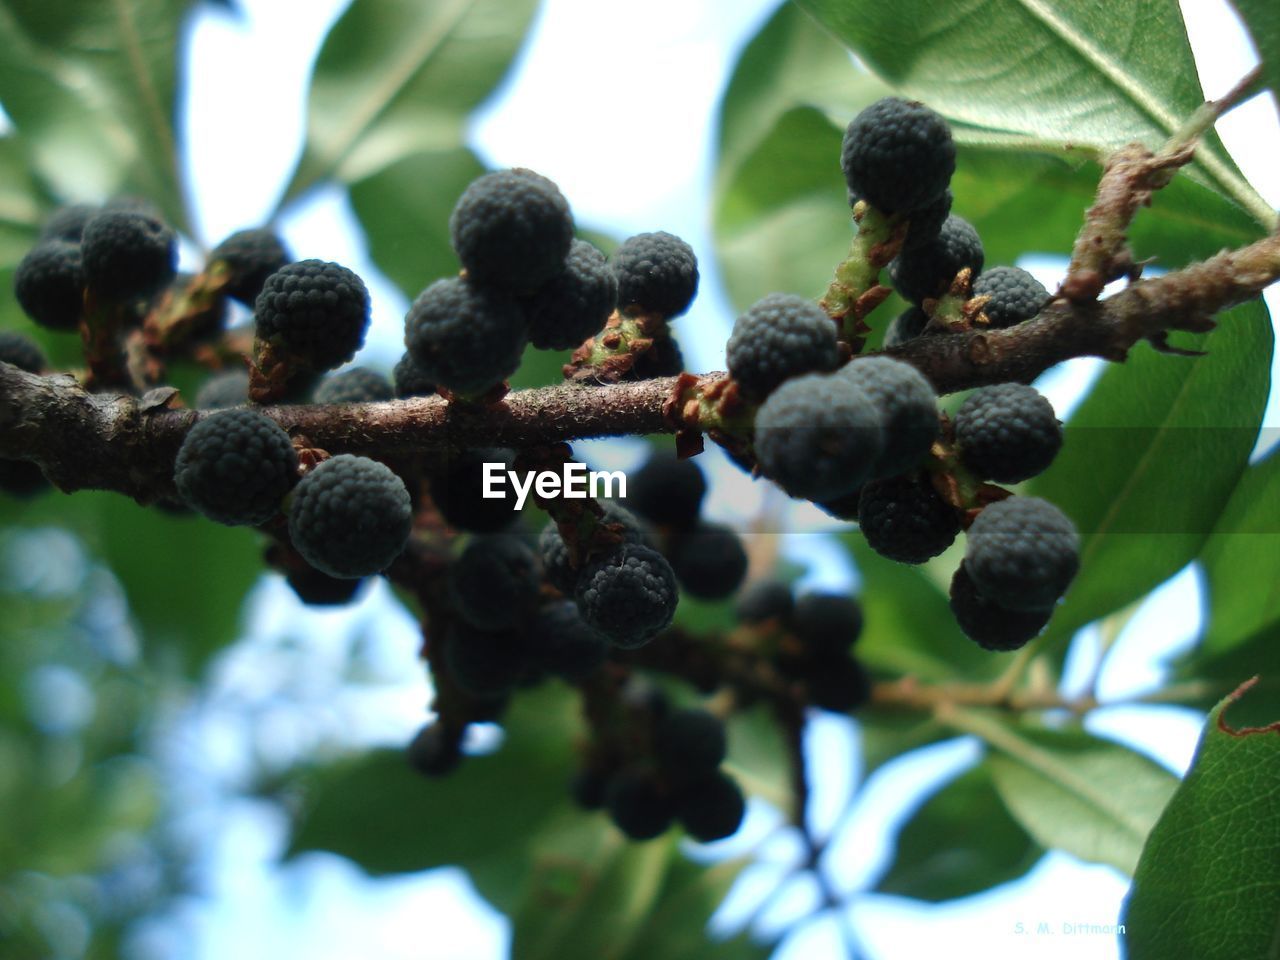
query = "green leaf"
{"x": 1242, "y": 563}
{"x": 758, "y": 757}
{"x": 379, "y": 813}
{"x": 961, "y": 841}
{"x": 1262, "y": 17}
{"x": 404, "y": 209}
{"x": 1072, "y": 791}
{"x": 1151, "y": 458}
{"x": 908, "y": 627}
{"x": 1055, "y": 73}
{"x": 398, "y": 77}
{"x": 1207, "y": 886}
{"x": 886, "y": 736}
{"x": 91, "y": 87}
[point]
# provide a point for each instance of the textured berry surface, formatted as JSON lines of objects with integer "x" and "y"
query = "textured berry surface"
{"x": 434, "y": 751}
{"x": 350, "y": 516}
{"x": 23, "y": 352}
{"x": 249, "y": 257}
{"x": 781, "y": 336}
{"x": 709, "y": 561}
{"x": 1015, "y": 295}
{"x": 907, "y": 325}
{"x": 927, "y": 270}
{"x": 838, "y": 684}
{"x": 457, "y": 487}
{"x": 827, "y": 623}
{"x": 67, "y": 223}
{"x": 409, "y": 379}
{"x": 629, "y": 596}
{"x": 485, "y": 663}
{"x": 49, "y": 284}
{"x": 689, "y": 744}
{"x": 988, "y": 624}
{"x": 228, "y": 389}
{"x": 1007, "y": 433}
{"x": 898, "y": 154}
{"x": 357, "y": 385}
{"x": 637, "y": 804}
{"x": 764, "y": 600}
{"x": 317, "y": 311}
{"x": 495, "y": 581}
{"x": 512, "y": 229}
{"x": 555, "y": 555}
{"x": 904, "y": 519}
{"x": 908, "y": 410}
{"x": 667, "y": 491}
{"x": 657, "y": 272}
{"x": 565, "y": 644}
{"x": 127, "y": 255}
{"x": 463, "y": 336}
{"x": 235, "y": 467}
{"x": 1022, "y": 553}
{"x": 818, "y": 436}
{"x": 712, "y": 808}
{"x": 321, "y": 590}
{"x": 575, "y": 303}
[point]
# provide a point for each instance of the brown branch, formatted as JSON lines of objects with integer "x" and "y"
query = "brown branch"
{"x": 116, "y": 442}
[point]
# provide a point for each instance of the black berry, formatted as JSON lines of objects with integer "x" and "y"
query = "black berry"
{"x": 904, "y": 518}
{"x": 1022, "y": 553}
{"x": 235, "y": 467}
{"x": 575, "y": 303}
{"x": 898, "y": 154}
{"x": 315, "y": 311}
{"x": 928, "y": 270}
{"x": 127, "y": 255}
{"x": 1007, "y": 433}
{"x": 657, "y": 272}
{"x": 464, "y": 336}
{"x": 49, "y": 284}
{"x": 781, "y": 336}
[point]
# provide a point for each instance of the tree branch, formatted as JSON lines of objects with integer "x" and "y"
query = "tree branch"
{"x": 123, "y": 443}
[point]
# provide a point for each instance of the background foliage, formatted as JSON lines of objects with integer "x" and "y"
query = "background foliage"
{"x": 106, "y": 627}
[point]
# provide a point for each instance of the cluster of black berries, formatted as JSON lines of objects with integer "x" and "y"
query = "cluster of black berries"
{"x": 86, "y": 255}
{"x": 660, "y": 766}
{"x": 708, "y": 558}
{"x": 526, "y": 279}
{"x": 810, "y": 640}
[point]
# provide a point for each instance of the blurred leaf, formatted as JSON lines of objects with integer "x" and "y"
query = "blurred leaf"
{"x": 782, "y": 221}
{"x": 398, "y": 77}
{"x": 489, "y": 815}
{"x": 91, "y": 87}
{"x": 1262, "y": 17}
{"x": 20, "y": 207}
{"x": 404, "y": 209}
{"x": 1151, "y": 458}
{"x": 1207, "y": 886}
{"x": 1241, "y": 564}
{"x": 959, "y": 842}
{"x": 1073, "y": 791}
{"x": 886, "y": 736}
{"x": 909, "y": 628}
{"x": 185, "y": 577}
{"x": 758, "y": 755}
{"x": 1241, "y": 561}
{"x": 596, "y": 894}
{"x": 1055, "y": 73}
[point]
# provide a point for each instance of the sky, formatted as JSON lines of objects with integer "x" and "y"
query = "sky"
{"x": 287, "y": 685}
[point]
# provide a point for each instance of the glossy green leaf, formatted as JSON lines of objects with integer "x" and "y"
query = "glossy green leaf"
{"x": 908, "y": 626}
{"x": 959, "y": 842}
{"x": 1151, "y": 458}
{"x": 1071, "y": 790}
{"x": 1262, "y": 17}
{"x": 1207, "y": 887}
{"x": 379, "y": 813}
{"x": 1057, "y": 73}
{"x": 91, "y": 88}
{"x": 397, "y": 77}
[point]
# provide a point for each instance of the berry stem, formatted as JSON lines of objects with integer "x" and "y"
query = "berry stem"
{"x": 854, "y": 291}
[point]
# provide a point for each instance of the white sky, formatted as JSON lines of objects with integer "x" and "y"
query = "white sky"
{"x": 247, "y": 90}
